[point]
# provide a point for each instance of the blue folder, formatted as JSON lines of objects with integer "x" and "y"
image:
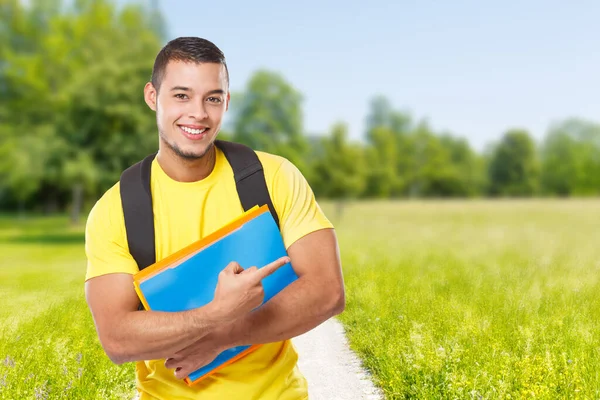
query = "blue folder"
{"x": 188, "y": 280}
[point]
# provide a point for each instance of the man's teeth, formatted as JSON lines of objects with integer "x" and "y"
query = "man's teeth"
{"x": 193, "y": 131}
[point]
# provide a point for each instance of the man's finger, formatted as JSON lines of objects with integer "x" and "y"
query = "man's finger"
{"x": 250, "y": 270}
{"x": 170, "y": 363}
{"x": 180, "y": 373}
{"x": 233, "y": 268}
{"x": 272, "y": 267}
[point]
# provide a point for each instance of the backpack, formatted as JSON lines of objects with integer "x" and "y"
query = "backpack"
{"x": 136, "y": 198}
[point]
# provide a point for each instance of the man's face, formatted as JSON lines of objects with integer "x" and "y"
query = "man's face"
{"x": 189, "y": 106}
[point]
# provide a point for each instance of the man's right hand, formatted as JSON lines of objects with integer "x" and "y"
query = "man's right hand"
{"x": 240, "y": 291}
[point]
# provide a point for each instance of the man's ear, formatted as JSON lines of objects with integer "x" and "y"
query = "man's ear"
{"x": 228, "y": 98}
{"x": 150, "y": 95}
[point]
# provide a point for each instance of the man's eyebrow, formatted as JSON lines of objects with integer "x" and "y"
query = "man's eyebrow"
{"x": 216, "y": 91}
{"x": 187, "y": 89}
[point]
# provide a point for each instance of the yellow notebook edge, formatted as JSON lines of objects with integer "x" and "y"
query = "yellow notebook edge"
{"x": 213, "y": 237}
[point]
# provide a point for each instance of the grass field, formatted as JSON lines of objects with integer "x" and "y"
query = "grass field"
{"x": 476, "y": 299}
{"x": 465, "y": 300}
{"x": 48, "y": 345}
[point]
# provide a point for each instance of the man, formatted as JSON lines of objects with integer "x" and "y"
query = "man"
{"x": 194, "y": 194}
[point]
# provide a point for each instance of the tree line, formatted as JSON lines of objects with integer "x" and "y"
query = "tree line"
{"x": 72, "y": 118}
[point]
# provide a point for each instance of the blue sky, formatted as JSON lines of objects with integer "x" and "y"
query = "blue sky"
{"x": 470, "y": 68}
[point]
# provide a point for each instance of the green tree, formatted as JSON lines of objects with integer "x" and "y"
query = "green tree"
{"x": 562, "y": 168}
{"x": 267, "y": 116}
{"x": 411, "y": 160}
{"x": 468, "y": 167}
{"x": 340, "y": 170}
{"x": 382, "y": 154}
{"x": 428, "y": 170}
{"x": 381, "y": 114}
{"x": 76, "y": 72}
{"x": 571, "y": 159}
{"x": 387, "y": 134}
{"x": 22, "y": 160}
{"x": 513, "y": 169}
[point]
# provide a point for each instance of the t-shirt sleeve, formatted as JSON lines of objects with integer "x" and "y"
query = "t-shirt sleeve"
{"x": 293, "y": 198}
{"x": 105, "y": 240}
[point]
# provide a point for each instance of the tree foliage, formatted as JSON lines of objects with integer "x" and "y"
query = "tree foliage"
{"x": 72, "y": 118}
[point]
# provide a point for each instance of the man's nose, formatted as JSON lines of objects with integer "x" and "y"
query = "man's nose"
{"x": 198, "y": 110}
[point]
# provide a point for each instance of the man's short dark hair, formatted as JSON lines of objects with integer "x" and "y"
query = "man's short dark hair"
{"x": 188, "y": 49}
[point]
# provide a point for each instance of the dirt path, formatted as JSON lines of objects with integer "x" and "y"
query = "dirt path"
{"x": 333, "y": 371}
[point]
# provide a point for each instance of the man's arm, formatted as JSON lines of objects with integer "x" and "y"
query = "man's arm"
{"x": 317, "y": 295}
{"x": 127, "y": 334}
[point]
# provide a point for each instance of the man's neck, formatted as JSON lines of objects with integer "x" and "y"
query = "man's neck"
{"x": 182, "y": 170}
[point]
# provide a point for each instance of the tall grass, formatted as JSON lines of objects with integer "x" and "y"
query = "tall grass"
{"x": 48, "y": 344}
{"x": 484, "y": 300}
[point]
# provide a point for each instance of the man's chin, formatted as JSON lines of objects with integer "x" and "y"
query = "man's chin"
{"x": 191, "y": 154}
{"x": 187, "y": 151}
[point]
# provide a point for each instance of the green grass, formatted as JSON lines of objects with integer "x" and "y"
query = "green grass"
{"x": 450, "y": 300}
{"x": 487, "y": 300}
{"x": 48, "y": 345}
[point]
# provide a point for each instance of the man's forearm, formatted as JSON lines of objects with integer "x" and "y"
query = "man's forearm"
{"x": 295, "y": 310}
{"x": 150, "y": 335}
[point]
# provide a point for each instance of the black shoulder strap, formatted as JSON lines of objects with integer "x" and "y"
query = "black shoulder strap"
{"x": 136, "y": 200}
{"x": 249, "y": 176}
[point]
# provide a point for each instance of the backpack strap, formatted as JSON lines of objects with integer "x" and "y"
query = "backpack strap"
{"x": 136, "y": 200}
{"x": 249, "y": 176}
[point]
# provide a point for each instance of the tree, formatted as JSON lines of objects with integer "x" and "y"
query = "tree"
{"x": 387, "y": 132}
{"x": 382, "y": 155}
{"x": 76, "y": 71}
{"x": 340, "y": 171}
{"x": 409, "y": 159}
{"x": 468, "y": 167}
{"x": 430, "y": 173}
{"x": 513, "y": 169}
{"x": 22, "y": 159}
{"x": 561, "y": 166}
{"x": 571, "y": 158}
{"x": 267, "y": 116}
{"x": 382, "y": 115}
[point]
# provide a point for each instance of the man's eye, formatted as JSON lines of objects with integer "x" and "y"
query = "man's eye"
{"x": 181, "y": 96}
{"x": 214, "y": 99}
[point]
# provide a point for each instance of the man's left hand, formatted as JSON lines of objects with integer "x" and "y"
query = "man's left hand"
{"x": 195, "y": 356}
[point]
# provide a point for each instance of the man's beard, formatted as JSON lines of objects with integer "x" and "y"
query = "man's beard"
{"x": 189, "y": 156}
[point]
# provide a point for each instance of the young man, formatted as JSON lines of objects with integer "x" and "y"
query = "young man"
{"x": 194, "y": 194}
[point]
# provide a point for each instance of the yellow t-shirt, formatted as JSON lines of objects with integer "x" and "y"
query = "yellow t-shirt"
{"x": 185, "y": 213}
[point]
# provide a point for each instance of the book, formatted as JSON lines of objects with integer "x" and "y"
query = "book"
{"x": 187, "y": 279}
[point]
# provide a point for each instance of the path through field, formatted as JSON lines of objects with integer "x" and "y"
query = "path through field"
{"x": 333, "y": 371}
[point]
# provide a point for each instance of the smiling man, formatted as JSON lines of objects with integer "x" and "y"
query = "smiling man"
{"x": 193, "y": 194}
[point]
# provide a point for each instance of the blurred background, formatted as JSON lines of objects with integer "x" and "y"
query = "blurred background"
{"x": 394, "y": 100}
{"x": 455, "y": 145}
